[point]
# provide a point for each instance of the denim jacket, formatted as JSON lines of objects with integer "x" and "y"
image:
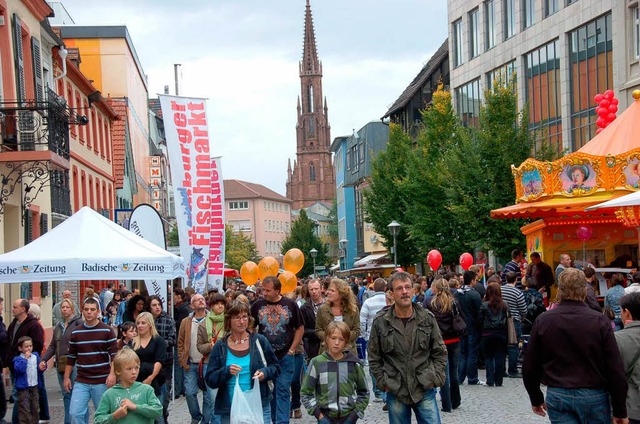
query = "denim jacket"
{"x": 218, "y": 373}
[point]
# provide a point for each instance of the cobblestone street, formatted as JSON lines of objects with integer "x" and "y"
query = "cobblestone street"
{"x": 480, "y": 404}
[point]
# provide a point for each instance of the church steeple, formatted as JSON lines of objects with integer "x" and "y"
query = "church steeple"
{"x": 310, "y": 64}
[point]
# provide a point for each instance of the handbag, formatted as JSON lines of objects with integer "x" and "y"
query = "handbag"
{"x": 61, "y": 364}
{"x": 459, "y": 324}
{"x": 201, "y": 372}
{"x": 246, "y": 407}
{"x": 264, "y": 361}
{"x": 512, "y": 337}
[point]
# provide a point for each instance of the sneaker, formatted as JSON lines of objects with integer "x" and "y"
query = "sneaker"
{"x": 516, "y": 375}
{"x": 385, "y": 407}
{"x": 478, "y": 383}
{"x": 378, "y": 399}
{"x": 296, "y": 413}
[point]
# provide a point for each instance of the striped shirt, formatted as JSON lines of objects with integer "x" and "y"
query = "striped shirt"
{"x": 92, "y": 349}
{"x": 511, "y": 266}
{"x": 514, "y": 298}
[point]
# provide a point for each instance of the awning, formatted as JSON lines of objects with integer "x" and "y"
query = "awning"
{"x": 369, "y": 267}
{"x": 368, "y": 259}
{"x": 555, "y": 207}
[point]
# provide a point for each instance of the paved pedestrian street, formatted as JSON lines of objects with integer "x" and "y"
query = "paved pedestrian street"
{"x": 480, "y": 404}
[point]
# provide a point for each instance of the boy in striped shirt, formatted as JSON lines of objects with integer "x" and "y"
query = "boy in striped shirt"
{"x": 92, "y": 347}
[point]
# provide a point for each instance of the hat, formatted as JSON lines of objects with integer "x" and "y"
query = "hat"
{"x": 251, "y": 289}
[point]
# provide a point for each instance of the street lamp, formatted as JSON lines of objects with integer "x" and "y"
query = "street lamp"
{"x": 314, "y": 253}
{"x": 343, "y": 248}
{"x": 394, "y": 229}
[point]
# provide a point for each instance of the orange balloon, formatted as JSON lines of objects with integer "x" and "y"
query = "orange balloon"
{"x": 268, "y": 267}
{"x": 293, "y": 260}
{"x": 289, "y": 282}
{"x": 249, "y": 273}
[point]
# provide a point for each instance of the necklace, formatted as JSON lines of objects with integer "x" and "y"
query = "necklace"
{"x": 239, "y": 341}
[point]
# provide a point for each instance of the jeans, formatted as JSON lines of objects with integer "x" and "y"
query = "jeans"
{"x": 213, "y": 393}
{"x": 514, "y": 350}
{"x": 577, "y": 406}
{"x": 468, "y": 365}
{"x": 162, "y": 397}
{"x": 79, "y": 406}
{"x": 281, "y": 401}
{"x": 494, "y": 347}
{"x": 178, "y": 373}
{"x": 266, "y": 415}
{"x": 296, "y": 382}
{"x": 377, "y": 392}
{"x": 66, "y": 396}
{"x": 450, "y": 392}
{"x": 43, "y": 401}
{"x": 191, "y": 393}
{"x": 426, "y": 410}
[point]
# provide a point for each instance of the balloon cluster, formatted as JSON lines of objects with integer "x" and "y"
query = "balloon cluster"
{"x": 434, "y": 259}
{"x": 268, "y": 266}
{"x": 606, "y": 109}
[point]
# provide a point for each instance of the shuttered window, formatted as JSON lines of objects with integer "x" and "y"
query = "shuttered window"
{"x": 17, "y": 42}
{"x": 38, "y": 83}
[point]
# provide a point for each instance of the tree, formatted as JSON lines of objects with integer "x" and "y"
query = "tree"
{"x": 387, "y": 195}
{"x": 172, "y": 237}
{"x": 238, "y": 248}
{"x": 302, "y": 236}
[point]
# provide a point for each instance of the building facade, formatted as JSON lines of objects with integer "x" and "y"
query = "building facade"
{"x": 311, "y": 178}
{"x": 562, "y": 53}
{"x": 345, "y": 200}
{"x": 260, "y": 214}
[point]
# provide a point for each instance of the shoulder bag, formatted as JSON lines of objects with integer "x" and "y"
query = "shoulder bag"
{"x": 512, "y": 337}
{"x": 264, "y": 361}
{"x": 459, "y": 324}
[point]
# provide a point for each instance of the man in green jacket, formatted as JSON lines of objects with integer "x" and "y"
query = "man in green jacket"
{"x": 407, "y": 356}
{"x": 628, "y": 340}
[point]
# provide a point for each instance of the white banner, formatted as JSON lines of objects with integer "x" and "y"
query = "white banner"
{"x": 187, "y": 135}
{"x": 145, "y": 222}
{"x": 217, "y": 238}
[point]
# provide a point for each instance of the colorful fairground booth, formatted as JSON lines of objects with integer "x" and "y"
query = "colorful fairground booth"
{"x": 556, "y": 194}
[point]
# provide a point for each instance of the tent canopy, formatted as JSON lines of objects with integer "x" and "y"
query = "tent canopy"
{"x": 88, "y": 246}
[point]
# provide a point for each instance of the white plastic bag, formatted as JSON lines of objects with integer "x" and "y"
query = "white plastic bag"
{"x": 246, "y": 407}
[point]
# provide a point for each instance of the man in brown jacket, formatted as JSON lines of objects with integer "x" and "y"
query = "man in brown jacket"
{"x": 190, "y": 358}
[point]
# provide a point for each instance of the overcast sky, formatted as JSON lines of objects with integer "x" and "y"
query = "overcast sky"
{"x": 243, "y": 56}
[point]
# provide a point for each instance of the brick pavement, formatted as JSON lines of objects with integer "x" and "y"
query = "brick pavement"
{"x": 480, "y": 405}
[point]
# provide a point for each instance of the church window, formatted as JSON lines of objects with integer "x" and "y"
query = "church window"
{"x": 310, "y": 98}
{"x": 312, "y": 172}
{"x": 311, "y": 126}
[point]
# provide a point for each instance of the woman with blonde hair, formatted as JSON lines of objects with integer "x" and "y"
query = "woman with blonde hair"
{"x": 59, "y": 347}
{"x": 340, "y": 306}
{"x": 152, "y": 351}
{"x": 445, "y": 307}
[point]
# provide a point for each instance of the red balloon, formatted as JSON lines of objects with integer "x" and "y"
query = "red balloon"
{"x": 434, "y": 259}
{"x": 602, "y": 112}
{"x": 613, "y": 108}
{"x": 611, "y": 117}
{"x": 609, "y": 94}
{"x": 604, "y": 103}
{"x": 466, "y": 260}
{"x": 584, "y": 232}
{"x": 601, "y": 122}
{"x": 599, "y": 130}
{"x": 598, "y": 98}
{"x": 614, "y": 101}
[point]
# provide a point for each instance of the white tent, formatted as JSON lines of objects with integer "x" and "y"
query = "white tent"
{"x": 88, "y": 246}
{"x": 632, "y": 199}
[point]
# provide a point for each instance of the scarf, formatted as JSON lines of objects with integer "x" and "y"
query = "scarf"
{"x": 215, "y": 325}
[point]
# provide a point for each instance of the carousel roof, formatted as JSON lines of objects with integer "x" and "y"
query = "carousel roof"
{"x": 553, "y": 207}
{"x": 621, "y": 136}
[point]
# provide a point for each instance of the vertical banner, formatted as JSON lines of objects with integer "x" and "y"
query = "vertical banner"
{"x": 145, "y": 222}
{"x": 187, "y": 135}
{"x": 217, "y": 237}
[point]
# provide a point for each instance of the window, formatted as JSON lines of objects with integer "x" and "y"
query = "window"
{"x": 238, "y": 205}
{"x": 310, "y": 98}
{"x": 311, "y": 126}
{"x": 509, "y": 18}
{"x": 457, "y": 43}
{"x": 551, "y": 7}
{"x": 354, "y": 159}
{"x": 490, "y": 24}
{"x": 240, "y": 225}
{"x": 468, "y": 102}
{"x": 503, "y": 74}
{"x": 312, "y": 172}
{"x": 591, "y": 72}
{"x": 542, "y": 79}
{"x": 528, "y": 13}
{"x": 635, "y": 13}
{"x": 474, "y": 34}
{"x": 361, "y": 147}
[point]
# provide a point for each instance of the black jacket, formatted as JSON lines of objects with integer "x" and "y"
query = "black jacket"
{"x": 180, "y": 313}
{"x": 30, "y": 327}
{"x": 469, "y": 300}
{"x": 310, "y": 339}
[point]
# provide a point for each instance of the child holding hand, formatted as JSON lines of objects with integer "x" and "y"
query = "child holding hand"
{"x": 25, "y": 367}
{"x": 129, "y": 401}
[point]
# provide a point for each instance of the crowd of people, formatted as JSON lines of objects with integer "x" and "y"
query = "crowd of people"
{"x": 416, "y": 337}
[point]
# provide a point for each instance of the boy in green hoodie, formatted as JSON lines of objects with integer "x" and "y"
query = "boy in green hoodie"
{"x": 128, "y": 402}
{"x": 335, "y": 369}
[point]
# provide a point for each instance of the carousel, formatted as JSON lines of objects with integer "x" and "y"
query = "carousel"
{"x": 561, "y": 198}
